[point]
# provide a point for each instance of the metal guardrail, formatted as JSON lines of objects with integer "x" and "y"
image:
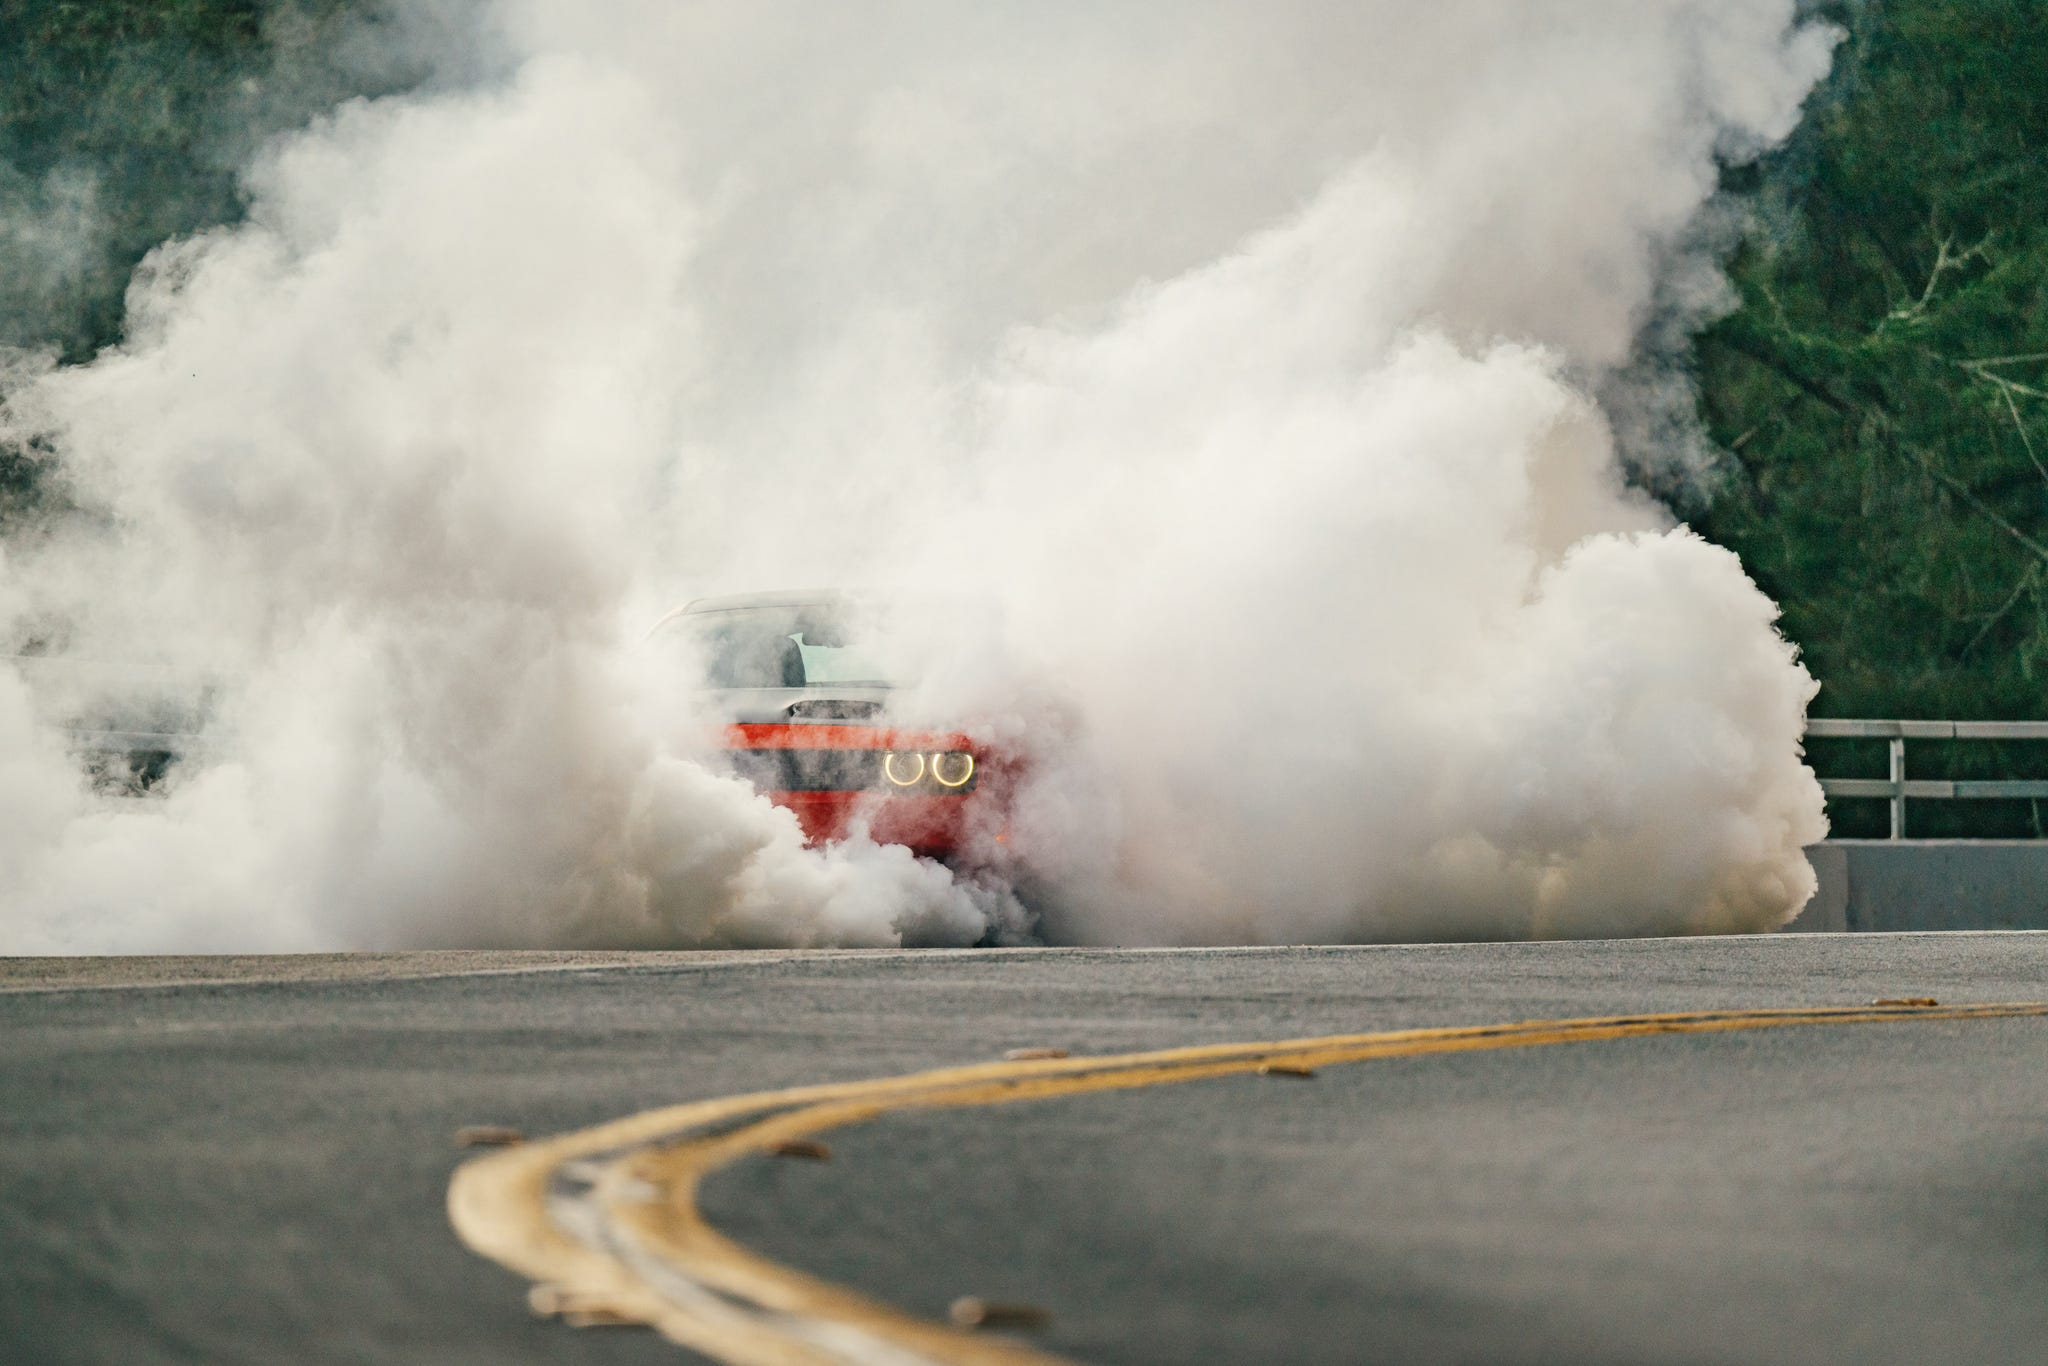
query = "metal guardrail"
{"x": 1898, "y": 788}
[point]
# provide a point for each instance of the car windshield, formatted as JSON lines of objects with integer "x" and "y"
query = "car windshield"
{"x": 797, "y": 646}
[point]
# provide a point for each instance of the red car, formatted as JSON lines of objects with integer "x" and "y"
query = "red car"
{"x": 807, "y": 724}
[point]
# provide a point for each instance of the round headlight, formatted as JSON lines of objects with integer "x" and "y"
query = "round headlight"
{"x": 895, "y": 766}
{"x": 953, "y": 768}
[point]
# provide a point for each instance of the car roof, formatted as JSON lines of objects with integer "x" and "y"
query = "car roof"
{"x": 801, "y": 597}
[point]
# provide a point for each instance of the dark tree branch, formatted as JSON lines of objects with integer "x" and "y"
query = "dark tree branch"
{"x": 1747, "y": 347}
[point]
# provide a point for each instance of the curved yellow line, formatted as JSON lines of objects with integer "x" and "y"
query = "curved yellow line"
{"x": 740, "y": 1307}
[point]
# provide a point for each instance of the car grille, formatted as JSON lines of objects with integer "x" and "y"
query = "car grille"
{"x": 825, "y": 770}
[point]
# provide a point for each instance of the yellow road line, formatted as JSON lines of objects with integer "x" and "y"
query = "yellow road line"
{"x": 643, "y": 1250}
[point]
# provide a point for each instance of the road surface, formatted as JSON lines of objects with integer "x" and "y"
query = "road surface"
{"x": 247, "y": 1160}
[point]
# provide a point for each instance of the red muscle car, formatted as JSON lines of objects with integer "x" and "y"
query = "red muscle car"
{"x": 806, "y": 706}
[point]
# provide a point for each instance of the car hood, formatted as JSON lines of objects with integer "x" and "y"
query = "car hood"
{"x": 825, "y": 703}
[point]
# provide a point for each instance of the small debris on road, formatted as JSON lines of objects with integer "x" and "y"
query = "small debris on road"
{"x": 578, "y": 1311}
{"x": 1033, "y": 1054}
{"x": 487, "y": 1136}
{"x": 1285, "y": 1069}
{"x": 971, "y": 1312}
{"x": 1905, "y": 1001}
{"x": 808, "y": 1149}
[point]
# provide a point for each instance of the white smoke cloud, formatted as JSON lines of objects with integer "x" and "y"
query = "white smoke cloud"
{"x": 1235, "y": 357}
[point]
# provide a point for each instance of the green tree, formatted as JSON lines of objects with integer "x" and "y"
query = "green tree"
{"x": 1884, "y": 385}
{"x": 123, "y": 124}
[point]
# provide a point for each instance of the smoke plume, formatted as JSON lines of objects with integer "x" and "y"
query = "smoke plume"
{"x": 1238, "y": 362}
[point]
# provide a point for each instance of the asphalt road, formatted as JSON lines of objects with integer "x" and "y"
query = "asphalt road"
{"x": 246, "y": 1160}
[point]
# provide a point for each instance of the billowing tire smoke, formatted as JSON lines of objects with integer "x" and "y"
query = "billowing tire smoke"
{"x": 1234, "y": 361}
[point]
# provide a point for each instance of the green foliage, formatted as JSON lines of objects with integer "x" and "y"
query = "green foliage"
{"x": 122, "y": 123}
{"x": 1884, "y": 386}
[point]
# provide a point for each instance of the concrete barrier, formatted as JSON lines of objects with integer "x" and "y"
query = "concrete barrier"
{"x": 1928, "y": 885}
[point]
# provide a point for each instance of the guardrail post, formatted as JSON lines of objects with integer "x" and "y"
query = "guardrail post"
{"x": 1898, "y": 757}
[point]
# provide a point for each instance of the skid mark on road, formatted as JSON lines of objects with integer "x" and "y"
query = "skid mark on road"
{"x": 605, "y": 1220}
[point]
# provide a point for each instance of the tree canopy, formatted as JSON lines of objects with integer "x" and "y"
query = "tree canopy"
{"x": 1883, "y": 388}
{"x": 123, "y": 123}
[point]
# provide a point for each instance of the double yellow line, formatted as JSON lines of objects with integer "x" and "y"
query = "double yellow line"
{"x": 605, "y": 1220}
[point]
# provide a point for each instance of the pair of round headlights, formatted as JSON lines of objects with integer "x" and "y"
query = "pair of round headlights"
{"x": 949, "y": 768}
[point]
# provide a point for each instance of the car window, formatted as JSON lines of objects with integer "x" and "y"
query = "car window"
{"x": 779, "y": 647}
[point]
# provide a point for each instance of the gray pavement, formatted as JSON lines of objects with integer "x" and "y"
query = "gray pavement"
{"x": 244, "y": 1160}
